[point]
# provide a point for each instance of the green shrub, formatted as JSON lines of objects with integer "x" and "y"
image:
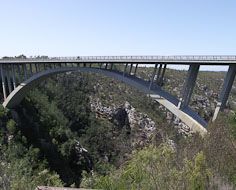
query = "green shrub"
{"x": 11, "y": 126}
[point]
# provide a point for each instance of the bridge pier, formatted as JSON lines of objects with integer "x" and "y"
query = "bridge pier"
{"x": 3, "y": 83}
{"x": 100, "y": 65}
{"x": 189, "y": 85}
{"x": 135, "y": 70}
{"x": 25, "y": 71}
{"x": 31, "y": 70}
{"x": 13, "y": 76}
{"x": 153, "y": 75}
{"x": 18, "y": 73}
{"x": 158, "y": 74}
{"x": 224, "y": 94}
{"x": 131, "y": 67}
{"x": 161, "y": 78}
{"x": 126, "y": 65}
{"x": 106, "y": 65}
{"x": 112, "y": 65}
{"x": 8, "y": 80}
{"x": 36, "y": 67}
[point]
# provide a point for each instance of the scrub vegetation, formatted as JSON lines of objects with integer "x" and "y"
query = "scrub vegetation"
{"x": 54, "y": 138}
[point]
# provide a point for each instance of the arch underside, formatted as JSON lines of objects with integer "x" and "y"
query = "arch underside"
{"x": 186, "y": 115}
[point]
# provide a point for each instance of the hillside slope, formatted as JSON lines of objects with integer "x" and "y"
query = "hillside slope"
{"x": 77, "y": 122}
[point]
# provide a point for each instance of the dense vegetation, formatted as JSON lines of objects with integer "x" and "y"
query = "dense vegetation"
{"x": 53, "y": 138}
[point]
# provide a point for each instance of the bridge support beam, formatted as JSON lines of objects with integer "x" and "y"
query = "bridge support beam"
{"x": 25, "y": 71}
{"x": 131, "y": 67}
{"x": 19, "y": 77}
{"x": 106, "y": 65}
{"x": 135, "y": 70}
{"x": 3, "y": 83}
{"x": 153, "y": 75}
{"x": 8, "y": 80}
{"x": 189, "y": 85}
{"x": 112, "y": 65}
{"x": 227, "y": 86}
{"x": 158, "y": 74}
{"x": 126, "y": 65}
{"x": 31, "y": 70}
{"x": 13, "y": 75}
{"x": 161, "y": 78}
{"x": 36, "y": 67}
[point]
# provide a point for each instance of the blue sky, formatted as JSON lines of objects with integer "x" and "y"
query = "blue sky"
{"x": 121, "y": 27}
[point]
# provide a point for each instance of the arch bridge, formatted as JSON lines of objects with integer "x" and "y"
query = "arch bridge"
{"x": 20, "y": 75}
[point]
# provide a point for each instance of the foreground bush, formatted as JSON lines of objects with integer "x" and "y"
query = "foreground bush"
{"x": 155, "y": 168}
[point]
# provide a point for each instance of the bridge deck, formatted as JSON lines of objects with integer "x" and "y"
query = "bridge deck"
{"x": 185, "y": 60}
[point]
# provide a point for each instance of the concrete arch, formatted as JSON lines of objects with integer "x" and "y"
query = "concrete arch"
{"x": 188, "y": 116}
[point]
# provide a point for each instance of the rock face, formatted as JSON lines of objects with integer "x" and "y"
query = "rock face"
{"x": 141, "y": 127}
{"x": 139, "y": 124}
{"x": 120, "y": 117}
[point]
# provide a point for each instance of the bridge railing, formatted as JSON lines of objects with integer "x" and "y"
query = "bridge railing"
{"x": 171, "y": 58}
{"x": 158, "y": 58}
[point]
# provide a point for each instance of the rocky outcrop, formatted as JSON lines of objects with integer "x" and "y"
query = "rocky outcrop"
{"x": 141, "y": 127}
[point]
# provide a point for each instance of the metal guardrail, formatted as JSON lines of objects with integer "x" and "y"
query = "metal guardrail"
{"x": 152, "y": 58}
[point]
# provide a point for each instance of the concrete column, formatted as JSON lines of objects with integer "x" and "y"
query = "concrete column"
{"x": 19, "y": 73}
{"x": 25, "y": 71}
{"x": 31, "y": 70}
{"x": 131, "y": 67}
{"x": 36, "y": 67}
{"x": 9, "y": 80}
{"x": 106, "y": 66}
{"x": 125, "y": 69}
{"x": 189, "y": 85}
{"x": 224, "y": 94}
{"x": 44, "y": 66}
{"x": 153, "y": 75}
{"x": 135, "y": 70}
{"x": 112, "y": 64}
{"x": 160, "y": 82}
{"x": 159, "y": 73}
{"x": 13, "y": 75}
{"x": 3, "y": 83}
{"x": 100, "y": 66}
{"x": 90, "y": 65}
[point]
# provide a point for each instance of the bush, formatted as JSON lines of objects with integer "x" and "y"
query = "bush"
{"x": 11, "y": 126}
{"x": 156, "y": 168}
